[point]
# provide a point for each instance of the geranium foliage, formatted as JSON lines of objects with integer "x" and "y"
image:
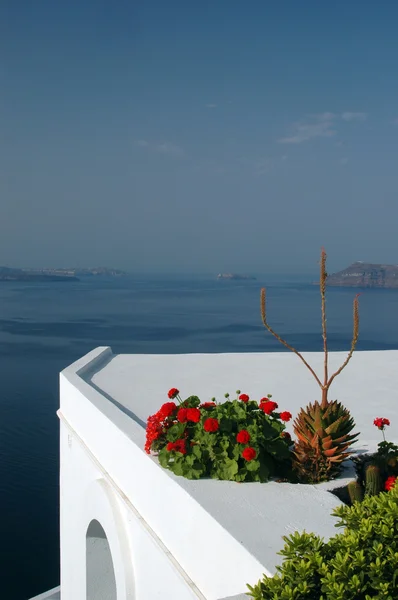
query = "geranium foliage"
{"x": 238, "y": 440}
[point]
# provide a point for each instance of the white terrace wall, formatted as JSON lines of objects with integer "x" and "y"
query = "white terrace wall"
{"x": 134, "y": 566}
{"x": 128, "y": 531}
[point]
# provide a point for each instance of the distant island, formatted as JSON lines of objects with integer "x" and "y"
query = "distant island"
{"x": 8, "y": 274}
{"x": 12, "y": 274}
{"x": 366, "y": 275}
{"x": 235, "y": 276}
{"x": 79, "y": 272}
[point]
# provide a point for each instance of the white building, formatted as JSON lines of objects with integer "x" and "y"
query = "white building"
{"x": 131, "y": 530}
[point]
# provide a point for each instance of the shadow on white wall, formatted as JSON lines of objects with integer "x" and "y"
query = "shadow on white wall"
{"x": 100, "y": 574}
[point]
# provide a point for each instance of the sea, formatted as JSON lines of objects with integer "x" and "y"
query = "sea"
{"x": 46, "y": 326}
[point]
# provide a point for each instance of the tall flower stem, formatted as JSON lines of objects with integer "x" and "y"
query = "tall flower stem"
{"x": 327, "y": 381}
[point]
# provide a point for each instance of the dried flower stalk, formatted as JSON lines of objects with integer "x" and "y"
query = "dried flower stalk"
{"x": 327, "y": 381}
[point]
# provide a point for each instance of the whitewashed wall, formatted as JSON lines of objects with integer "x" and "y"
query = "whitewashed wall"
{"x": 163, "y": 543}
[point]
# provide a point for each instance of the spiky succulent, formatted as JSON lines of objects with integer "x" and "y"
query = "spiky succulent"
{"x": 323, "y": 438}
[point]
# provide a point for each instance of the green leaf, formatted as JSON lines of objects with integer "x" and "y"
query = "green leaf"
{"x": 227, "y": 468}
{"x": 253, "y": 465}
{"x": 176, "y": 432}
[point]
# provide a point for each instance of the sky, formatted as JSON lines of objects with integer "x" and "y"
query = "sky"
{"x": 198, "y": 137}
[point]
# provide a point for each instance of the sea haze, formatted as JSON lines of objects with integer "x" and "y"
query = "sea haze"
{"x": 44, "y": 327}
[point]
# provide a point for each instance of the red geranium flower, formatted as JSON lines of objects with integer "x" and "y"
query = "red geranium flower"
{"x": 167, "y": 410}
{"x": 285, "y": 416}
{"x": 170, "y": 446}
{"x": 207, "y": 404}
{"x": 243, "y": 436}
{"x": 268, "y": 406}
{"x": 153, "y": 432}
{"x": 244, "y": 398}
{"x": 211, "y": 425}
{"x": 249, "y": 453}
{"x": 390, "y": 483}
{"x": 381, "y": 422}
{"x": 173, "y": 393}
{"x": 182, "y": 415}
{"x": 193, "y": 414}
{"x": 179, "y": 446}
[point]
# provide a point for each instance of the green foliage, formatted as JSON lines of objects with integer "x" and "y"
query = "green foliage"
{"x": 323, "y": 439}
{"x": 355, "y": 491}
{"x": 359, "y": 564}
{"x": 373, "y": 481}
{"x": 191, "y": 450}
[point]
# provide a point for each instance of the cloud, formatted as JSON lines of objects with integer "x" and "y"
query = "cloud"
{"x": 166, "y": 148}
{"x": 142, "y": 143}
{"x": 322, "y": 125}
{"x": 354, "y": 116}
{"x": 316, "y": 126}
{"x": 211, "y": 105}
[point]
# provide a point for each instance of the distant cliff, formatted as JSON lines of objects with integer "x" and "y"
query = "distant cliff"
{"x": 235, "y": 276}
{"x": 366, "y": 275}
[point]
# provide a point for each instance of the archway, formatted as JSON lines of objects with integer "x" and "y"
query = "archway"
{"x": 100, "y": 574}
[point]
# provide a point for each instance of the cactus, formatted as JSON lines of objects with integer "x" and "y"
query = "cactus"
{"x": 373, "y": 481}
{"x": 355, "y": 491}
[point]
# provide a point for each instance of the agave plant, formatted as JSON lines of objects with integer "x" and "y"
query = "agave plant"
{"x": 323, "y": 438}
{"x": 324, "y": 428}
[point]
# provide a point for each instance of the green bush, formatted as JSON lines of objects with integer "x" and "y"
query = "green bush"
{"x": 238, "y": 440}
{"x": 359, "y": 564}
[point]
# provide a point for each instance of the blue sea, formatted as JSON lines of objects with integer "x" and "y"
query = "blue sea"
{"x": 44, "y": 327}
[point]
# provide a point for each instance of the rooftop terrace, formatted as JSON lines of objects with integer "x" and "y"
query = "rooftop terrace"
{"x": 204, "y": 526}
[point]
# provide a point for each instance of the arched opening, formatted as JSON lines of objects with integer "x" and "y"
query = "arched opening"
{"x": 100, "y": 575}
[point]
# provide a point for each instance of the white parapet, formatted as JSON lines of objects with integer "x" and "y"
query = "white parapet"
{"x": 54, "y": 594}
{"x": 131, "y": 530}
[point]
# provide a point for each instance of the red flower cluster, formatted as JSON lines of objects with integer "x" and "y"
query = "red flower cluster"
{"x": 211, "y": 425}
{"x": 244, "y": 397}
{"x": 243, "y": 436}
{"x": 249, "y": 454}
{"x": 153, "y": 431}
{"x": 268, "y": 406}
{"x": 157, "y": 423}
{"x": 188, "y": 414}
{"x": 381, "y": 422}
{"x": 390, "y": 483}
{"x": 178, "y": 446}
{"x": 173, "y": 393}
{"x": 182, "y": 415}
{"x": 166, "y": 410}
{"x": 285, "y": 416}
{"x": 193, "y": 415}
{"x": 207, "y": 404}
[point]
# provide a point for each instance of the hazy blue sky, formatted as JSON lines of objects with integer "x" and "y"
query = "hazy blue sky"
{"x": 198, "y": 136}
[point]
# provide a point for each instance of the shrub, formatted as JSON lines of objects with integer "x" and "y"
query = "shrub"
{"x": 359, "y": 564}
{"x": 238, "y": 440}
